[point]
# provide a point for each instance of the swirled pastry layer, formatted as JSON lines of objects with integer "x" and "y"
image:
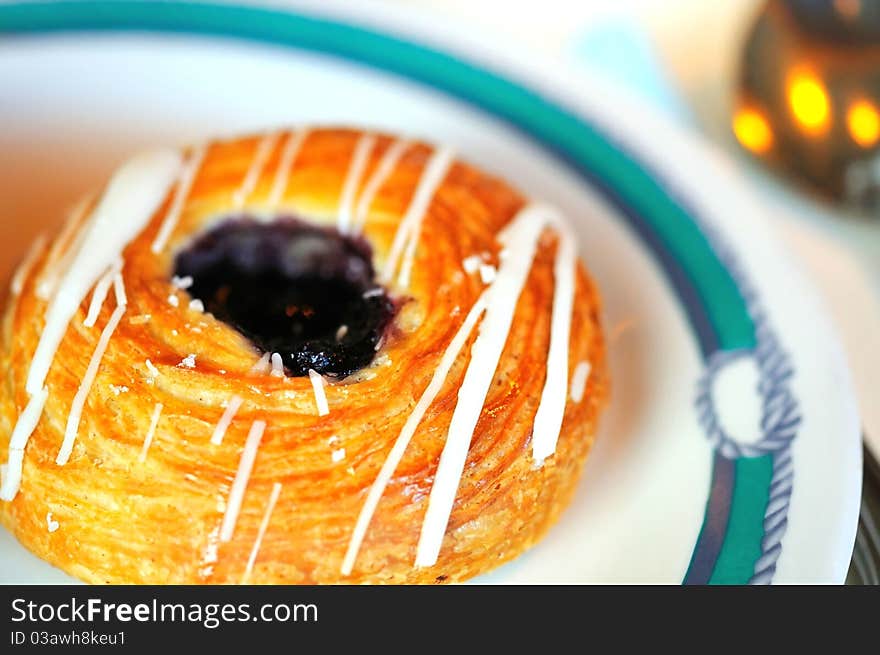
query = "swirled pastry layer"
{"x": 316, "y": 356}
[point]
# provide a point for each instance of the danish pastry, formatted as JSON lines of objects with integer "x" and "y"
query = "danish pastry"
{"x": 311, "y": 356}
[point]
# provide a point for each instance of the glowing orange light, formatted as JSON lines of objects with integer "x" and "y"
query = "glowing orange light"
{"x": 809, "y": 103}
{"x": 752, "y": 130}
{"x": 863, "y": 122}
{"x": 849, "y": 9}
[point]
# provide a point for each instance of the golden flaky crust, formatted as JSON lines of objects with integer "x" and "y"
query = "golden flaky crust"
{"x": 122, "y": 521}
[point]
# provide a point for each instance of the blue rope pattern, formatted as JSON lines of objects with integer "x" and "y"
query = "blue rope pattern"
{"x": 780, "y": 414}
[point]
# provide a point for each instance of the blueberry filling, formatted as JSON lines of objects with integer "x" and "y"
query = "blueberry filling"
{"x": 292, "y": 288}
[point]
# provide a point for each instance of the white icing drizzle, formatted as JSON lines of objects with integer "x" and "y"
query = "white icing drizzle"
{"x": 79, "y": 401}
{"x": 520, "y": 238}
{"x": 67, "y": 244}
{"x": 209, "y": 554}
{"x": 261, "y": 156}
{"x": 409, "y": 229}
{"x": 551, "y": 410}
{"x": 119, "y": 289}
{"x": 29, "y": 419}
{"x": 262, "y": 366}
{"x": 184, "y": 186}
{"x": 182, "y": 283}
{"x": 12, "y": 471}
{"x": 132, "y": 197}
{"x": 225, "y": 421}
{"x": 320, "y": 397}
{"x": 154, "y": 372}
{"x": 472, "y": 264}
{"x": 288, "y": 157}
{"x": 239, "y": 484}
{"x": 579, "y": 381}
{"x": 409, "y": 258}
{"x": 409, "y": 429}
{"x": 383, "y": 171}
{"x": 277, "y": 366}
{"x": 264, "y": 524}
{"x": 148, "y": 440}
{"x": 24, "y": 269}
{"x": 359, "y": 158}
{"x": 27, "y": 423}
{"x": 99, "y": 295}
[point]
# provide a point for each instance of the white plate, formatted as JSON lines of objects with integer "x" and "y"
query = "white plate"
{"x": 731, "y": 449}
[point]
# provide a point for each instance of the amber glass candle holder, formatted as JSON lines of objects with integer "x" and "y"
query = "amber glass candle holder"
{"x": 808, "y": 95}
